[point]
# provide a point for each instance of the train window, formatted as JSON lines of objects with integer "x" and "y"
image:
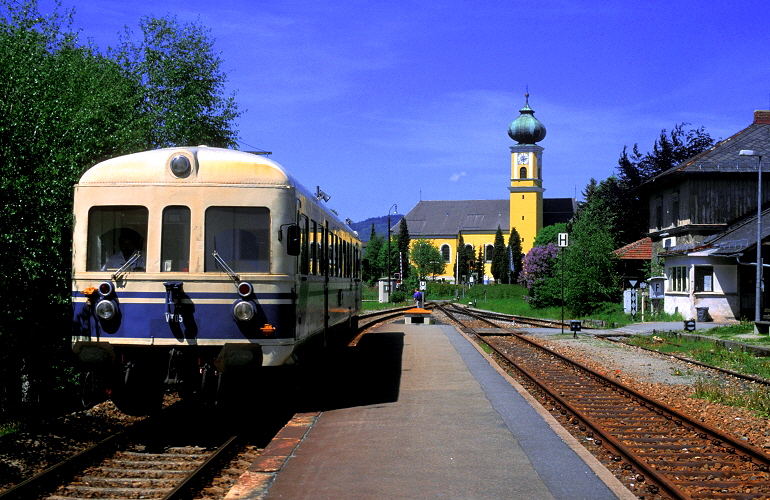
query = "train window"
{"x": 175, "y": 240}
{"x": 313, "y": 247}
{"x": 241, "y": 237}
{"x": 304, "y": 263}
{"x": 116, "y": 234}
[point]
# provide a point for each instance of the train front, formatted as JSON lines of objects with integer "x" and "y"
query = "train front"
{"x": 181, "y": 274}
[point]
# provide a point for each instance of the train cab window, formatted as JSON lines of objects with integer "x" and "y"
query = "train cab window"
{"x": 241, "y": 237}
{"x": 116, "y": 235}
{"x": 175, "y": 240}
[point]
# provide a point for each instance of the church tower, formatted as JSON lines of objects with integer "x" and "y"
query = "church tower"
{"x": 526, "y": 190}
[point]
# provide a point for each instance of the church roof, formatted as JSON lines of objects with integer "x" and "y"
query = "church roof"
{"x": 432, "y": 219}
{"x": 448, "y": 217}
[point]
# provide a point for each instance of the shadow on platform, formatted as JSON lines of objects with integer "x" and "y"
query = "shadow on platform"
{"x": 367, "y": 374}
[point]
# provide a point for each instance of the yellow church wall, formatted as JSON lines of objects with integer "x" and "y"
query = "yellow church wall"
{"x": 476, "y": 240}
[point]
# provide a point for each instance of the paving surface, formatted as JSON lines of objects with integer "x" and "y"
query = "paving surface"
{"x": 431, "y": 417}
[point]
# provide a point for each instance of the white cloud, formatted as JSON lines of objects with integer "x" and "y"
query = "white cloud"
{"x": 456, "y": 177}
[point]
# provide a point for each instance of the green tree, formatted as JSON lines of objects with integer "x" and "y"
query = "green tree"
{"x": 590, "y": 262}
{"x": 63, "y": 107}
{"x": 383, "y": 256}
{"x": 427, "y": 259}
{"x": 462, "y": 259}
{"x": 499, "y": 257}
{"x": 514, "y": 252}
{"x": 404, "y": 242}
{"x": 549, "y": 234}
{"x": 479, "y": 264}
{"x": 182, "y": 82}
{"x": 371, "y": 270}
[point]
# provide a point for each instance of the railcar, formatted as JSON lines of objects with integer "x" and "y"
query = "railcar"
{"x": 205, "y": 268}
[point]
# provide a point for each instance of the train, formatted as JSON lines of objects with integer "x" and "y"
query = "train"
{"x": 205, "y": 269}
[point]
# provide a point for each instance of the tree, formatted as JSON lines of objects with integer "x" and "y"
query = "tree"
{"x": 403, "y": 243}
{"x": 538, "y": 276}
{"x": 479, "y": 264}
{"x": 499, "y": 257}
{"x": 182, "y": 83}
{"x": 462, "y": 259}
{"x": 514, "y": 254}
{"x": 590, "y": 262}
{"x": 549, "y": 234}
{"x": 427, "y": 259}
{"x": 64, "y": 106}
{"x": 371, "y": 270}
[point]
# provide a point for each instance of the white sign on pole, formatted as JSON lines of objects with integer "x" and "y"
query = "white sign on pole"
{"x": 563, "y": 240}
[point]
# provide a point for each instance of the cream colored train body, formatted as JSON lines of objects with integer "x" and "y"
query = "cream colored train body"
{"x": 196, "y": 265}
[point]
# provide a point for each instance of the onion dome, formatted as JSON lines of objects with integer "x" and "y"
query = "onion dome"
{"x": 526, "y": 129}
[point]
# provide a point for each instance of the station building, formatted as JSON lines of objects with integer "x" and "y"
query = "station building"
{"x": 442, "y": 222}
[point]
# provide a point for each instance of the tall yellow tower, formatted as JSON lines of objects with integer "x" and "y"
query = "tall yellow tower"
{"x": 526, "y": 190}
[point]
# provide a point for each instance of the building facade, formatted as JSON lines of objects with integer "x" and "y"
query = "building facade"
{"x": 703, "y": 223}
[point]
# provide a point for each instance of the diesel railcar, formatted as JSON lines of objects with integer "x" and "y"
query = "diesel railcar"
{"x": 205, "y": 268}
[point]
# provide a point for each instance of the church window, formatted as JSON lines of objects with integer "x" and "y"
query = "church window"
{"x": 445, "y": 252}
{"x": 488, "y": 251}
{"x": 522, "y": 217}
{"x": 523, "y": 173}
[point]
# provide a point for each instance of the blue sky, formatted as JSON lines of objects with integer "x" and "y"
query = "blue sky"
{"x": 383, "y": 103}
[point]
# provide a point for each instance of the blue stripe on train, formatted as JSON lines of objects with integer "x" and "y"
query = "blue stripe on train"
{"x": 194, "y": 295}
{"x": 198, "y": 321}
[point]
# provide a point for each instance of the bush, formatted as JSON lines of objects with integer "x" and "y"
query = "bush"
{"x": 398, "y": 296}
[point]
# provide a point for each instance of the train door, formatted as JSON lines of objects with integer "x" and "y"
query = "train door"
{"x": 303, "y": 308}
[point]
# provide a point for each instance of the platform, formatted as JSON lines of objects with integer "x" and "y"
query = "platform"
{"x": 432, "y": 417}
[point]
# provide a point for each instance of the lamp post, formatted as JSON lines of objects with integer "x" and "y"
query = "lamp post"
{"x": 390, "y": 284}
{"x": 758, "y": 298}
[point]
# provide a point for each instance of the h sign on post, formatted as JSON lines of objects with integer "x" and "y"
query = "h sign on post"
{"x": 563, "y": 240}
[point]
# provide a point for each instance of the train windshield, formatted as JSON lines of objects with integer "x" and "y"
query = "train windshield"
{"x": 175, "y": 240}
{"x": 241, "y": 237}
{"x": 116, "y": 235}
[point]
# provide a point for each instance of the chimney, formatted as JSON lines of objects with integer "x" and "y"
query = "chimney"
{"x": 762, "y": 117}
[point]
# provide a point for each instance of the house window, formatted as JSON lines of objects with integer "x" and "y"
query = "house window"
{"x": 677, "y": 279}
{"x": 704, "y": 278}
{"x": 445, "y": 253}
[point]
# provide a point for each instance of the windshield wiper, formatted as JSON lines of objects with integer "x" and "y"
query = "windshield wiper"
{"x": 127, "y": 265}
{"x": 224, "y": 265}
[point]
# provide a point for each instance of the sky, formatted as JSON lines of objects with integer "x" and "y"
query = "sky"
{"x": 389, "y": 103}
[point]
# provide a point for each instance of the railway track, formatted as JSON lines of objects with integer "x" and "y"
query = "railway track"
{"x": 665, "y": 453}
{"x": 148, "y": 460}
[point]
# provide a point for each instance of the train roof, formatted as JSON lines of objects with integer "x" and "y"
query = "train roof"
{"x": 206, "y": 166}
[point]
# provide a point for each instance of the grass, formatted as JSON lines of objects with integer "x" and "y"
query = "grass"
{"x": 510, "y": 299}
{"x": 9, "y": 428}
{"x": 755, "y": 399}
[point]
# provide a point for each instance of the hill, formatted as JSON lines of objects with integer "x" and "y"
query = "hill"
{"x": 364, "y": 228}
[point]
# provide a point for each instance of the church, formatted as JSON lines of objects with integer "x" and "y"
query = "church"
{"x": 442, "y": 222}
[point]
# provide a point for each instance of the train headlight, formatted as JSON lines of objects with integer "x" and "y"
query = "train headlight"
{"x": 245, "y": 289}
{"x": 243, "y": 310}
{"x": 106, "y": 309}
{"x": 180, "y": 166}
{"x": 105, "y": 288}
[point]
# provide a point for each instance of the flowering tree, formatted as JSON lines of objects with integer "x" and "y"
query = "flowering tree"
{"x": 537, "y": 275}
